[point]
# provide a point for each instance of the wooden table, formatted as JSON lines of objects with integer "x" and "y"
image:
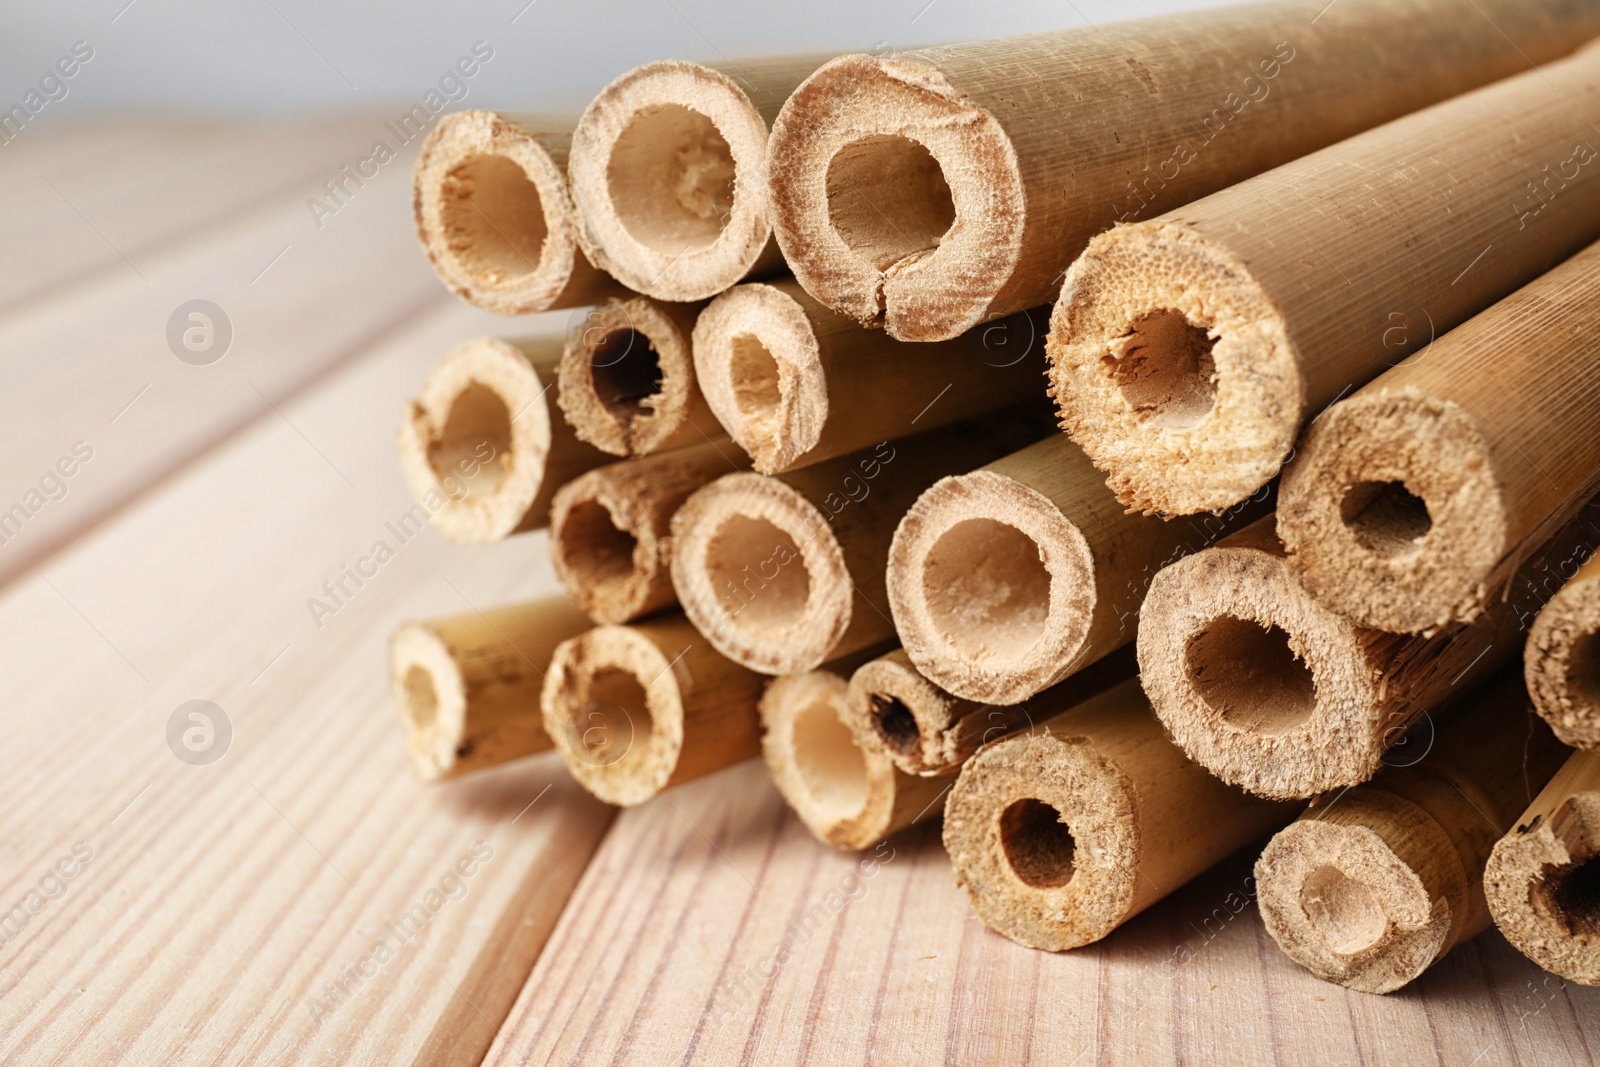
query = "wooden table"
{"x": 241, "y": 910}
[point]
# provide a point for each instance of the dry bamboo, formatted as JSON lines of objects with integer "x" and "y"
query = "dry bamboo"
{"x": 1186, "y": 350}
{"x": 1409, "y": 505}
{"x": 627, "y": 382}
{"x": 608, "y": 529}
{"x": 1562, "y": 658}
{"x": 1371, "y": 886}
{"x": 927, "y": 191}
{"x": 489, "y": 193}
{"x": 668, "y": 172}
{"x": 795, "y": 383}
{"x": 1543, "y": 878}
{"x": 783, "y": 573}
{"x": 481, "y": 449}
{"x": 468, "y": 686}
{"x": 1005, "y": 580}
{"x": 637, "y": 709}
{"x": 1063, "y": 833}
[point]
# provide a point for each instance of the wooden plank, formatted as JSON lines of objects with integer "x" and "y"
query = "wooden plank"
{"x": 662, "y": 953}
{"x": 218, "y": 900}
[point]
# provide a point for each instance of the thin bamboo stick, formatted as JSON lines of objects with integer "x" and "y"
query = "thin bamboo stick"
{"x": 481, "y": 448}
{"x": 1561, "y": 660}
{"x": 489, "y": 192}
{"x": 1063, "y": 833}
{"x": 1372, "y": 886}
{"x": 1543, "y": 878}
{"x": 637, "y": 709}
{"x": 795, "y": 383}
{"x": 1187, "y": 350}
{"x": 927, "y": 191}
{"x": 468, "y": 686}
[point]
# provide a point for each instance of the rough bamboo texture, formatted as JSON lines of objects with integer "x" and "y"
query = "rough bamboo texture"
{"x": 482, "y": 449}
{"x": 1562, "y": 657}
{"x": 1543, "y": 878}
{"x": 794, "y": 383}
{"x": 1409, "y": 505}
{"x": 489, "y": 193}
{"x": 1187, "y": 350}
{"x": 1063, "y": 833}
{"x": 1372, "y": 886}
{"x": 468, "y": 686}
{"x": 926, "y": 191}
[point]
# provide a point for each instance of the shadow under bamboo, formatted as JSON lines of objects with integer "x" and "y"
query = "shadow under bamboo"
{"x": 1562, "y": 658}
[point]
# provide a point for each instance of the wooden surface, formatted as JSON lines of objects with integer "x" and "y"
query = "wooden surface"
{"x": 220, "y": 898}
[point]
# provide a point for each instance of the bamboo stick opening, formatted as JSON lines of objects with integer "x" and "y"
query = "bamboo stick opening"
{"x": 888, "y": 199}
{"x": 1562, "y": 659}
{"x": 594, "y": 549}
{"x": 478, "y": 418}
{"x": 670, "y": 177}
{"x": 420, "y": 700}
{"x": 1037, "y": 844}
{"x": 1570, "y": 894}
{"x": 987, "y": 589}
{"x": 1166, "y": 371}
{"x": 1249, "y": 673}
{"x": 776, "y": 604}
{"x": 1342, "y": 910}
{"x": 830, "y": 764}
{"x": 1386, "y": 518}
{"x": 495, "y": 219}
{"x": 895, "y": 724}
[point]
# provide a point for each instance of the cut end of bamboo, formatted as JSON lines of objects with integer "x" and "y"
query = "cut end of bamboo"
{"x": 896, "y": 200}
{"x": 1543, "y": 886}
{"x": 432, "y": 697}
{"x": 1562, "y": 661}
{"x": 607, "y": 551}
{"x": 991, "y": 587}
{"x": 760, "y": 574}
{"x": 666, "y": 170}
{"x": 907, "y": 715}
{"x": 1392, "y": 513}
{"x": 627, "y": 382}
{"x": 1173, "y": 369}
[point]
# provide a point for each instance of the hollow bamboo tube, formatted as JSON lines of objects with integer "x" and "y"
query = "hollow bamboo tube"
{"x": 668, "y": 173}
{"x": 1561, "y": 660}
{"x": 489, "y": 192}
{"x": 782, "y": 573}
{"x": 608, "y": 529}
{"x": 1543, "y": 878}
{"x": 468, "y": 686}
{"x": 627, "y": 382}
{"x": 1064, "y": 832}
{"x": 1185, "y": 351}
{"x": 1007, "y": 579}
{"x": 1409, "y": 505}
{"x": 926, "y": 191}
{"x": 1370, "y": 887}
{"x": 794, "y": 383}
{"x": 637, "y": 709}
{"x": 481, "y": 449}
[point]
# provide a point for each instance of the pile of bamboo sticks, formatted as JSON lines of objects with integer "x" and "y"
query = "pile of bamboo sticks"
{"x": 1325, "y": 342}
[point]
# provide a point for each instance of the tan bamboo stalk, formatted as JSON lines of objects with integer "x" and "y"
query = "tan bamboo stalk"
{"x": 1005, "y": 580}
{"x": 608, "y": 529}
{"x": 1064, "y": 832}
{"x": 638, "y": 709}
{"x": 468, "y": 686}
{"x": 1185, "y": 351}
{"x": 1562, "y": 658}
{"x": 795, "y": 383}
{"x": 627, "y": 382}
{"x": 927, "y": 191}
{"x": 489, "y": 192}
{"x": 482, "y": 449}
{"x": 1409, "y": 505}
{"x": 668, "y": 173}
{"x": 1543, "y": 878}
{"x": 1371, "y": 886}
{"x": 783, "y": 573}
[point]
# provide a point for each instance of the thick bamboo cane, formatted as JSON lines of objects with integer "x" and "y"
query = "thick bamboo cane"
{"x": 1186, "y": 351}
{"x": 1562, "y": 658}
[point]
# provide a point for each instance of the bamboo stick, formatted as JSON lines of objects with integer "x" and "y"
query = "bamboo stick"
{"x": 480, "y": 447}
{"x": 1372, "y": 886}
{"x": 1541, "y": 880}
{"x": 489, "y": 192}
{"x": 668, "y": 173}
{"x": 1561, "y": 660}
{"x": 786, "y": 572}
{"x": 608, "y": 529}
{"x": 627, "y": 382}
{"x": 1409, "y": 505}
{"x": 1187, "y": 350}
{"x": 1005, "y": 580}
{"x": 635, "y": 710}
{"x": 795, "y": 383}
{"x": 1063, "y": 833}
{"x": 468, "y": 686}
{"x": 928, "y": 191}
